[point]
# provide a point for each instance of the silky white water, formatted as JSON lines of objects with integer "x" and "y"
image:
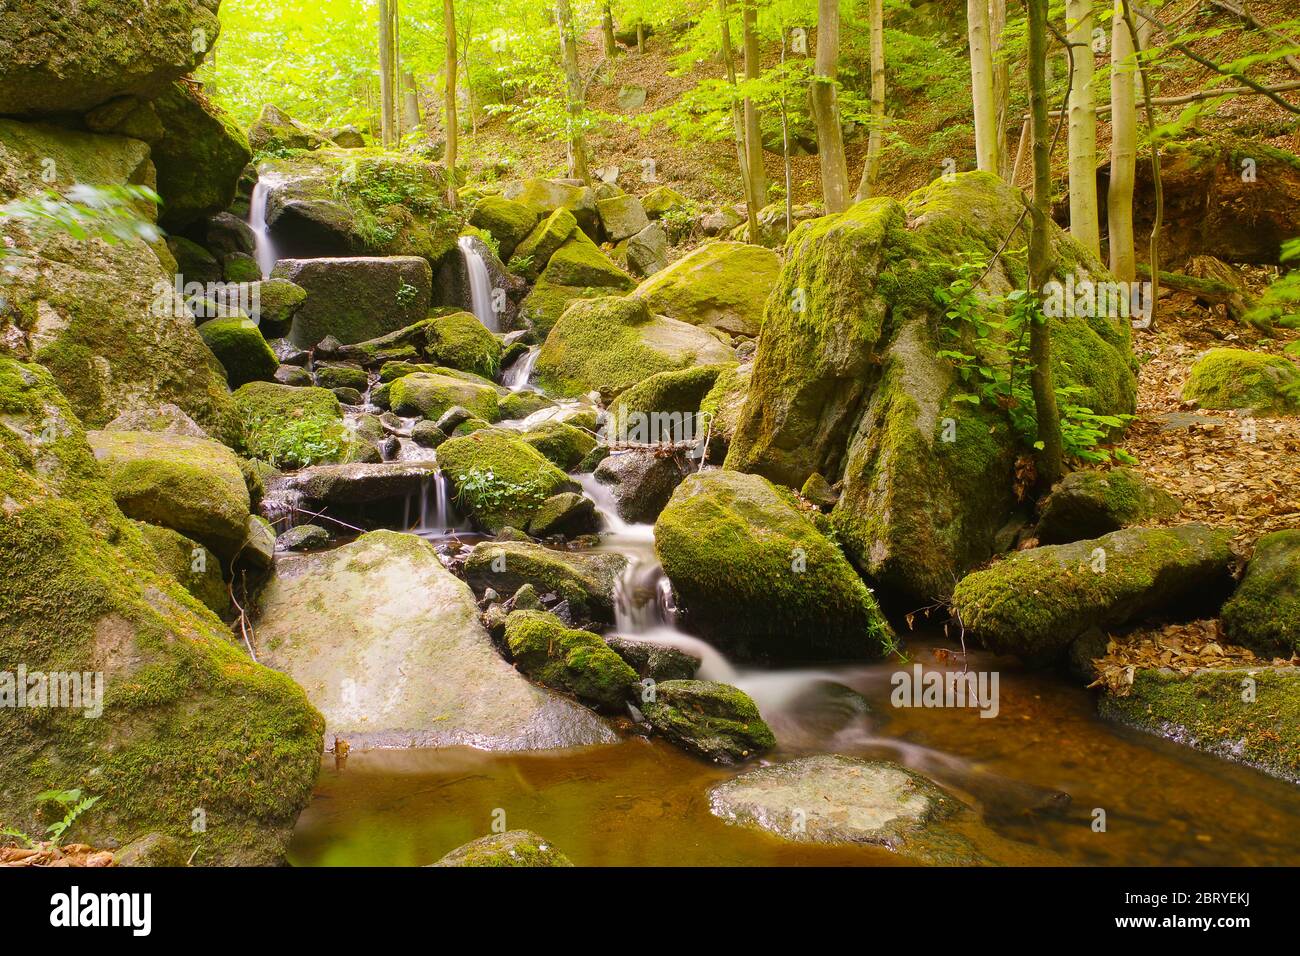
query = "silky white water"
{"x": 480, "y": 285}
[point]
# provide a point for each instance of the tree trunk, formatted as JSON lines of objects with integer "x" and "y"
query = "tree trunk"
{"x": 753, "y": 132}
{"x": 1050, "y": 450}
{"x": 607, "y": 28}
{"x": 981, "y": 76}
{"x": 1084, "y": 225}
{"x": 411, "y": 102}
{"x": 1001, "y": 81}
{"x": 875, "y": 140}
{"x": 387, "y": 97}
{"x": 1123, "y": 152}
{"x": 450, "y": 122}
{"x": 826, "y": 112}
{"x": 1141, "y": 37}
{"x": 573, "y": 76}
{"x": 738, "y": 123}
{"x": 640, "y": 38}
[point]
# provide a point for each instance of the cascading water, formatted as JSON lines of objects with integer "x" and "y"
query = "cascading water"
{"x": 480, "y": 285}
{"x": 517, "y": 376}
{"x": 263, "y": 246}
{"x": 430, "y": 513}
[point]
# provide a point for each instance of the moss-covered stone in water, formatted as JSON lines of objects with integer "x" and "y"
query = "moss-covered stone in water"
{"x": 507, "y": 221}
{"x": 512, "y": 848}
{"x": 724, "y": 285}
{"x": 1034, "y": 603}
{"x": 578, "y": 662}
{"x": 680, "y": 391}
{"x": 753, "y": 573}
{"x": 200, "y": 158}
{"x": 587, "y": 580}
{"x": 522, "y": 404}
{"x": 430, "y": 395}
{"x": 1238, "y": 378}
{"x": 1264, "y": 613}
{"x": 196, "y": 568}
{"x": 610, "y": 344}
{"x": 341, "y": 376}
{"x": 293, "y": 427}
{"x": 1093, "y": 502}
{"x": 715, "y": 721}
{"x": 192, "y": 485}
{"x": 238, "y": 344}
{"x": 188, "y": 720}
{"x": 563, "y": 445}
{"x": 1246, "y": 715}
{"x": 460, "y": 341}
{"x": 499, "y": 478}
{"x": 535, "y": 251}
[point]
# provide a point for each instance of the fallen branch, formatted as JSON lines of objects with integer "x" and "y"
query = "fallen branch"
{"x": 1185, "y": 98}
{"x": 1251, "y": 21}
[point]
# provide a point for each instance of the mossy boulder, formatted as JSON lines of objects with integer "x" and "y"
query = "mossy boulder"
{"x": 499, "y": 478}
{"x": 722, "y": 285}
{"x": 662, "y": 200}
{"x": 576, "y": 662}
{"x": 562, "y": 444}
{"x": 512, "y": 848}
{"x": 356, "y": 298}
{"x": 291, "y": 427}
{"x": 1238, "y": 378}
{"x": 1035, "y": 603}
{"x": 430, "y": 395}
{"x": 1091, "y": 502}
{"x": 196, "y": 568}
{"x": 1264, "y": 612}
{"x": 188, "y": 721}
{"x": 587, "y": 580}
{"x": 277, "y": 300}
{"x": 461, "y": 341}
{"x": 641, "y": 481}
{"x": 610, "y": 344}
{"x": 1246, "y": 715}
{"x": 568, "y": 514}
{"x": 340, "y": 376}
{"x": 69, "y": 59}
{"x": 548, "y": 196}
{"x": 507, "y": 221}
{"x": 579, "y": 263}
{"x": 522, "y": 404}
{"x": 191, "y": 485}
{"x": 105, "y": 319}
{"x": 621, "y": 216}
{"x": 848, "y": 381}
{"x": 238, "y": 344}
{"x": 199, "y": 159}
{"x": 534, "y": 251}
{"x": 547, "y": 301}
{"x": 679, "y": 391}
{"x": 274, "y": 130}
{"x": 752, "y": 572}
{"x": 715, "y": 721}
{"x": 722, "y": 406}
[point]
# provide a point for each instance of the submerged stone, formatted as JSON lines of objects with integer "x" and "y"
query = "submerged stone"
{"x": 712, "y": 720}
{"x": 512, "y": 848}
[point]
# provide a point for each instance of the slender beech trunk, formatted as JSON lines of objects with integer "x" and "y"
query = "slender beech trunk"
{"x": 876, "y": 138}
{"x": 450, "y": 121}
{"x": 826, "y": 111}
{"x": 1051, "y": 453}
{"x": 640, "y": 38}
{"x": 1084, "y": 225}
{"x": 785, "y": 145}
{"x": 738, "y": 122}
{"x": 607, "y": 28}
{"x": 411, "y": 102}
{"x": 753, "y": 133}
{"x": 981, "y": 76}
{"x": 1141, "y": 37}
{"x": 573, "y": 77}
{"x": 1001, "y": 81}
{"x": 387, "y": 114}
{"x": 1123, "y": 151}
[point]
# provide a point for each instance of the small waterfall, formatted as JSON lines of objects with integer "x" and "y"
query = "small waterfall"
{"x": 516, "y": 377}
{"x": 480, "y": 285}
{"x": 432, "y": 514}
{"x": 264, "y": 248}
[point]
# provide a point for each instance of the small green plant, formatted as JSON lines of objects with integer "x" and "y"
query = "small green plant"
{"x": 296, "y": 443}
{"x": 520, "y": 264}
{"x": 73, "y": 803}
{"x": 484, "y": 490}
{"x": 406, "y": 293}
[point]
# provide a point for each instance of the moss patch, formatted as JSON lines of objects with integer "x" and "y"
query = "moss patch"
{"x": 578, "y": 662}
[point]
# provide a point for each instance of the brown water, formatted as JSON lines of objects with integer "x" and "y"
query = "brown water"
{"x": 643, "y": 803}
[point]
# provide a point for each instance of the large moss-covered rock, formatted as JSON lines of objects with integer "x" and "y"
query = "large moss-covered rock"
{"x": 200, "y": 157}
{"x": 507, "y": 221}
{"x": 587, "y": 580}
{"x": 238, "y": 344}
{"x": 548, "y": 196}
{"x": 105, "y": 319}
{"x": 461, "y": 341}
{"x": 723, "y": 285}
{"x": 577, "y": 662}
{"x": 662, "y": 200}
{"x": 563, "y": 445}
{"x": 1091, "y": 502}
{"x": 274, "y": 131}
{"x": 387, "y": 643}
{"x": 678, "y": 391}
{"x": 431, "y": 395}
{"x": 579, "y": 263}
{"x": 189, "y": 722}
{"x": 1247, "y": 715}
{"x": 1034, "y": 603}
{"x": 753, "y": 573}
{"x": 357, "y": 298}
{"x": 196, "y": 568}
{"x": 1238, "y": 378}
{"x": 512, "y": 848}
{"x": 610, "y": 344}
{"x": 501, "y": 479}
{"x": 191, "y": 485}
{"x": 291, "y": 427}
{"x": 1264, "y": 613}
{"x": 534, "y": 251}
{"x": 715, "y": 721}
{"x": 848, "y": 381}
{"x": 547, "y": 301}
{"x": 621, "y": 216}
{"x": 61, "y": 58}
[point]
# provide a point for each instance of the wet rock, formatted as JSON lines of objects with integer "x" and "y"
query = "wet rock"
{"x": 659, "y": 662}
{"x": 512, "y": 848}
{"x": 420, "y": 670}
{"x": 586, "y": 579}
{"x": 341, "y": 376}
{"x": 432, "y": 396}
{"x": 223, "y": 233}
{"x": 642, "y": 482}
{"x": 568, "y": 513}
{"x": 563, "y": 445}
{"x": 304, "y": 537}
{"x": 1264, "y": 612}
{"x": 193, "y": 262}
{"x": 1091, "y": 502}
{"x": 1034, "y": 603}
{"x": 293, "y": 375}
{"x": 573, "y": 661}
{"x": 715, "y": 721}
{"x": 426, "y": 434}
{"x": 357, "y": 298}
{"x": 362, "y": 483}
{"x": 501, "y": 479}
{"x": 258, "y": 552}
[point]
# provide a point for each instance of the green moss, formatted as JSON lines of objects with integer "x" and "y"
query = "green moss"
{"x": 499, "y": 478}
{"x": 1093, "y": 502}
{"x": 586, "y": 580}
{"x": 196, "y": 568}
{"x": 1237, "y": 378}
{"x": 578, "y": 662}
{"x": 1264, "y": 613}
{"x": 724, "y": 285}
{"x": 561, "y": 444}
{"x": 546, "y": 302}
{"x": 681, "y": 391}
{"x": 715, "y": 721}
{"x": 238, "y": 344}
{"x": 293, "y": 427}
{"x": 508, "y": 222}
{"x": 522, "y": 404}
{"x": 341, "y": 376}
{"x": 662, "y": 200}
{"x": 460, "y": 341}
{"x": 753, "y": 572}
{"x": 536, "y": 249}
{"x": 430, "y": 395}
{"x": 200, "y": 159}
{"x": 510, "y": 849}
